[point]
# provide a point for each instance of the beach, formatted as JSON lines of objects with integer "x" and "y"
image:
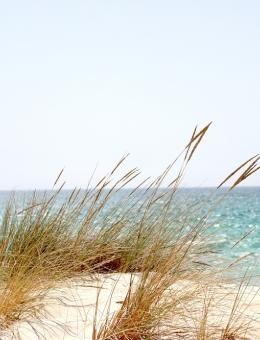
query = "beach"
{"x": 109, "y": 263}
{"x": 69, "y": 311}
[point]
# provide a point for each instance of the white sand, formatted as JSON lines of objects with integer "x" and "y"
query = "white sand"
{"x": 69, "y": 311}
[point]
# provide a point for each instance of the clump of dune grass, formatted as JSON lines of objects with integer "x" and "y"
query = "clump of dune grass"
{"x": 147, "y": 306}
{"x": 48, "y": 240}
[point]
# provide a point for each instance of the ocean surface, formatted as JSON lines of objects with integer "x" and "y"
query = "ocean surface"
{"x": 229, "y": 221}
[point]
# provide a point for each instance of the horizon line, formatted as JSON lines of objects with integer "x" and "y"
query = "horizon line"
{"x": 129, "y": 188}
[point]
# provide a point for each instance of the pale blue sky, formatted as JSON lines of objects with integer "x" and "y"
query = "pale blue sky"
{"x": 83, "y": 82}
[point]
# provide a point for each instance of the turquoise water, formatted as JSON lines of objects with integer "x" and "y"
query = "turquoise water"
{"x": 233, "y": 218}
{"x": 229, "y": 221}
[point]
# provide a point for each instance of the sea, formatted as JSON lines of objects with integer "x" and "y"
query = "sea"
{"x": 234, "y": 221}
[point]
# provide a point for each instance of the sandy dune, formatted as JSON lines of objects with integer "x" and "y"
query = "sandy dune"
{"x": 70, "y": 310}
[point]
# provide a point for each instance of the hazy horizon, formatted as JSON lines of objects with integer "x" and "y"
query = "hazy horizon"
{"x": 83, "y": 83}
{"x": 141, "y": 188}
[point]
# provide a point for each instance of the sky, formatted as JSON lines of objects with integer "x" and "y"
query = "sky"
{"x": 84, "y": 82}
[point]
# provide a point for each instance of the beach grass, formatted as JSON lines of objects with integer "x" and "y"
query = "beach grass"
{"x": 49, "y": 240}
